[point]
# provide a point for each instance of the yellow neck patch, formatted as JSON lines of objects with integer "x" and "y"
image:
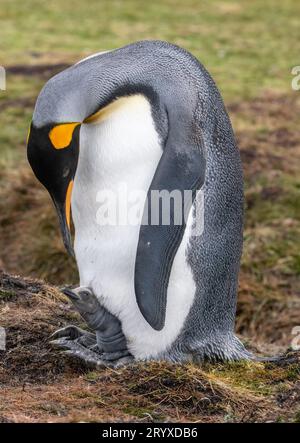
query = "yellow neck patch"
{"x": 61, "y": 135}
{"x": 116, "y": 105}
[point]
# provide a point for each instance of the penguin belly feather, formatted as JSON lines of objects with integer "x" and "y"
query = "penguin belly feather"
{"x": 122, "y": 147}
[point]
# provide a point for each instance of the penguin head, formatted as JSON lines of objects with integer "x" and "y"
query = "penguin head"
{"x": 52, "y": 152}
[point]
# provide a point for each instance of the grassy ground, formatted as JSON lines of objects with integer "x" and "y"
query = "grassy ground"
{"x": 246, "y": 45}
{"x": 250, "y": 48}
{"x": 39, "y": 384}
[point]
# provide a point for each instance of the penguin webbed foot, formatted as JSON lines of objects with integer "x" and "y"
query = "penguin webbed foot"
{"x": 289, "y": 357}
{"x": 73, "y": 334}
{"x": 84, "y": 348}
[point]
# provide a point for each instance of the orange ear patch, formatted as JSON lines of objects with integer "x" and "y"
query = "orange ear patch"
{"x": 61, "y": 135}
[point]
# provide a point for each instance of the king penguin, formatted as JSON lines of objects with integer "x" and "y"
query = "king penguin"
{"x": 147, "y": 116}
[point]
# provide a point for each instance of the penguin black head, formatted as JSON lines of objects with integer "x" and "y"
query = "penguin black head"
{"x": 52, "y": 152}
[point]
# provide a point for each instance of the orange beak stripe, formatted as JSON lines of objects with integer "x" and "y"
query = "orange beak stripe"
{"x": 28, "y": 135}
{"x": 68, "y": 203}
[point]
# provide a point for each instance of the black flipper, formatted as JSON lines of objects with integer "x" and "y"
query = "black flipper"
{"x": 181, "y": 167}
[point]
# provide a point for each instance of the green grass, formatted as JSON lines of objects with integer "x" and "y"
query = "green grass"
{"x": 282, "y": 238}
{"x": 246, "y": 45}
{"x": 15, "y": 118}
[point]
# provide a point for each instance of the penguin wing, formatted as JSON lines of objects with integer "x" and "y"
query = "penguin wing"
{"x": 181, "y": 168}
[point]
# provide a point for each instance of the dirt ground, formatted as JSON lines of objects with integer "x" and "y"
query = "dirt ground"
{"x": 39, "y": 384}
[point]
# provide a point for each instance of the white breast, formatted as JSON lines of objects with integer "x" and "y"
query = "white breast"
{"x": 121, "y": 146}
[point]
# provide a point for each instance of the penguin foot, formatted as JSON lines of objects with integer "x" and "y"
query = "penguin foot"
{"x": 77, "y": 343}
{"x": 288, "y": 358}
{"x": 82, "y": 346}
{"x": 73, "y": 333}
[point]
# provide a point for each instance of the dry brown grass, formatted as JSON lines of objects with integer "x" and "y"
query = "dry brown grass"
{"x": 40, "y": 384}
{"x": 29, "y": 230}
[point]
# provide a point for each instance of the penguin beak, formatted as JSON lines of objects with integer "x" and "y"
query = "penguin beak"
{"x": 53, "y": 152}
{"x": 71, "y": 294}
{"x": 64, "y": 216}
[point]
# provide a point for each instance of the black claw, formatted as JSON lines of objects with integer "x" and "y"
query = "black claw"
{"x": 60, "y": 343}
{"x": 268, "y": 359}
